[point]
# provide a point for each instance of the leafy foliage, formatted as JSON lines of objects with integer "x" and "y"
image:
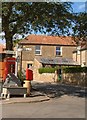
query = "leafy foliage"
{"x": 21, "y": 76}
{"x": 46, "y": 70}
{"x": 74, "y": 69}
{"x": 80, "y": 28}
{"x": 15, "y": 42}
{"x": 65, "y": 69}
{"x": 25, "y": 17}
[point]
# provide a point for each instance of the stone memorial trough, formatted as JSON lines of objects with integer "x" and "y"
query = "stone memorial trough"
{"x": 12, "y": 86}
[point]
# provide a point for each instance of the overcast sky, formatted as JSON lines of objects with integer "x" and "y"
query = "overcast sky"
{"x": 77, "y": 7}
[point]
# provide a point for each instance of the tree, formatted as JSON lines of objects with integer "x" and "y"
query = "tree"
{"x": 15, "y": 42}
{"x": 80, "y": 27}
{"x": 23, "y": 18}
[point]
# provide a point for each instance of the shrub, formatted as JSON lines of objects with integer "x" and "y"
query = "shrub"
{"x": 21, "y": 76}
{"x": 46, "y": 70}
{"x": 74, "y": 69}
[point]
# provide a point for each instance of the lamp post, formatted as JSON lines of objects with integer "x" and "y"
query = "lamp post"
{"x": 17, "y": 58}
{"x": 20, "y": 49}
{"x": 21, "y": 62}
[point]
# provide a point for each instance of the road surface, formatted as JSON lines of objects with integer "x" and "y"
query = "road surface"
{"x": 62, "y": 107}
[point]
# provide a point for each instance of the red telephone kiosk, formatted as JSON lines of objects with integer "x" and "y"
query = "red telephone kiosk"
{"x": 9, "y": 66}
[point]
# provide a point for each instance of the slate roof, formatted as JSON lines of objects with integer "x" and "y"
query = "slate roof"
{"x": 49, "y": 40}
{"x": 58, "y": 61}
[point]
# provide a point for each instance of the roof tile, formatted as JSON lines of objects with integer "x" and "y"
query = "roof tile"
{"x": 50, "y": 40}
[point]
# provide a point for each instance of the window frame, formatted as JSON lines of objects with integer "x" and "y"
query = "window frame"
{"x": 60, "y": 50}
{"x": 29, "y": 65}
{"x": 38, "y": 50}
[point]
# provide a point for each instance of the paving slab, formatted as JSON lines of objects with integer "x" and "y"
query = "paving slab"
{"x": 25, "y": 100}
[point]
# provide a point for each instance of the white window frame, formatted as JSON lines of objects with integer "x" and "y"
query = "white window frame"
{"x": 59, "y": 50}
{"x": 38, "y": 50}
{"x": 29, "y": 65}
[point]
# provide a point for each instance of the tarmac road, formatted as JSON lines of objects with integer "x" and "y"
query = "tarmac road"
{"x": 63, "y": 107}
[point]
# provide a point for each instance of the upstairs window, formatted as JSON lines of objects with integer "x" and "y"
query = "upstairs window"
{"x": 38, "y": 50}
{"x": 58, "y": 50}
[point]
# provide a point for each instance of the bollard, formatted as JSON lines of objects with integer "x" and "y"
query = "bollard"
{"x": 8, "y": 96}
{"x": 27, "y": 84}
{"x": 24, "y": 95}
{"x": 1, "y": 95}
{"x": 4, "y": 95}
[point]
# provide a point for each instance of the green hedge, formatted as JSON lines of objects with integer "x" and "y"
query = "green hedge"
{"x": 74, "y": 69}
{"x": 46, "y": 70}
{"x": 64, "y": 69}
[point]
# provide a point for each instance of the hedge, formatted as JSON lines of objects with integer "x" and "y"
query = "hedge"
{"x": 46, "y": 70}
{"x": 74, "y": 69}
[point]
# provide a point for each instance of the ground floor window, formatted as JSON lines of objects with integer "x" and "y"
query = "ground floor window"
{"x": 29, "y": 65}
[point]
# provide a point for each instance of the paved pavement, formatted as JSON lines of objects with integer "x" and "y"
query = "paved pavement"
{"x": 25, "y": 100}
{"x": 35, "y": 96}
{"x": 45, "y": 91}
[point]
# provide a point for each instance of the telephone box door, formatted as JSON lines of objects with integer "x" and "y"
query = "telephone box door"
{"x": 9, "y": 66}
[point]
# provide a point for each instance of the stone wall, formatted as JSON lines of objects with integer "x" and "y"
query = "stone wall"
{"x": 79, "y": 79}
{"x": 80, "y": 58}
{"x": 67, "y": 51}
{"x": 45, "y": 77}
{"x": 69, "y": 78}
{"x": 75, "y": 78}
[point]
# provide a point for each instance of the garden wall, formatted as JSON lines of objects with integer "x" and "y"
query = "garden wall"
{"x": 79, "y": 78}
{"x": 75, "y": 78}
{"x": 68, "y": 78}
{"x": 46, "y": 77}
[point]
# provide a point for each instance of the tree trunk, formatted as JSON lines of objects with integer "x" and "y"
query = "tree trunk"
{"x": 9, "y": 42}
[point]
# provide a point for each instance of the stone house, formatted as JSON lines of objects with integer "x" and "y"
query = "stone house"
{"x": 80, "y": 55}
{"x": 40, "y": 50}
